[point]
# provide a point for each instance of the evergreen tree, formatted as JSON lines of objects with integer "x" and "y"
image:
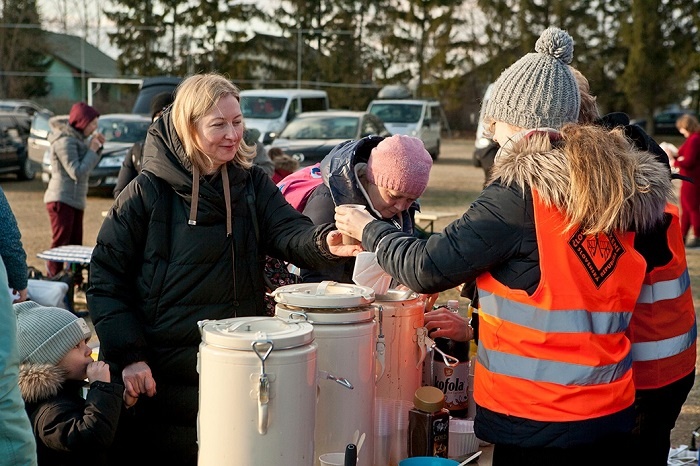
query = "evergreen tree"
{"x": 140, "y": 36}
{"x": 23, "y": 52}
{"x": 662, "y": 44}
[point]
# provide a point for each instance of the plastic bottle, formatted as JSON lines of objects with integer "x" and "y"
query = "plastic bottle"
{"x": 453, "y": 381}
{"x": 428, "y": 424}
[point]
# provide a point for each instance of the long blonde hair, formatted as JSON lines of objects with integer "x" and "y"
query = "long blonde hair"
{"x": 596, "y": 177}
{"x": 603, "y": 168}
{"x": 194, "y": 98}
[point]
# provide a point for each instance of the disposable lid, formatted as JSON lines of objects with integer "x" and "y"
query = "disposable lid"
{"x": 429, "y": 399}
{"x": 239, "y": 333}
{"x": 326, "y": 294}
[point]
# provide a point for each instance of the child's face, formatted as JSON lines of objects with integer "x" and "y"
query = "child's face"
{"x": 75, "y": 362}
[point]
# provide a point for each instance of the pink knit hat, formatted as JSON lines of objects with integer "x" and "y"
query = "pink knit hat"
{"x": 400, "y": 163}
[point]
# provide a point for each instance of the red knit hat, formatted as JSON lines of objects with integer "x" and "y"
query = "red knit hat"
{"x": 400, "y": 163}
{"x": 81, "y": 114}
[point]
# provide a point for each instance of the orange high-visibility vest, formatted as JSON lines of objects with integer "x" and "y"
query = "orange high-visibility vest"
{"x": 663, "y": 329}
{"x": 561, "y": 354}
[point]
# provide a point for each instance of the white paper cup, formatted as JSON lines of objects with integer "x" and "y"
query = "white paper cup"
{"x": 332, "y": 459}
{"x": 349, "y": 239}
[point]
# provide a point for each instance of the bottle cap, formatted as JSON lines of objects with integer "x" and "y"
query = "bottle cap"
{"x": 429, "y": 399}
{"x": 453, "y": 305}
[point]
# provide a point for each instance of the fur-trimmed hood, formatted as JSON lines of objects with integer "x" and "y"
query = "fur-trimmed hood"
{"x": 39, "y": 382}
{"x": 286, "y": 163}
{"x": 538, "y": 159}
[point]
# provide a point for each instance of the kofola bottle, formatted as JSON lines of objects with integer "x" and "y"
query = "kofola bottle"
{"x": 428, "y": 424}
{"x": 452, "y": 380}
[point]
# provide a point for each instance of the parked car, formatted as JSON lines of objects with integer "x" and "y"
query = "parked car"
{"x": 38, "y": 135}
{"x": 269, "y": 110}
{"x": 664, "y": 122}
{"x": 413, "y": 117}
{"x": 150, "y": 87}
{"x": 121, "y": 131}
{"x": 311, "y": 135}
{"x": 14, "y": 130}
{"x": 24, "y": 106}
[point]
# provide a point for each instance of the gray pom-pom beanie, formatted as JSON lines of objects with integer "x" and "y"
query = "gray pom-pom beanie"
{"x": 46, "y": 334}
{"x": 538, "y": 90}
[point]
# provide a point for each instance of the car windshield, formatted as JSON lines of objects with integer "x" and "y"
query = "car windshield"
{"x": 397, "y": 113}
{"x": 264, "y": 108}
{"x": 116, "y": 130}
{"x": 322, "y": 127}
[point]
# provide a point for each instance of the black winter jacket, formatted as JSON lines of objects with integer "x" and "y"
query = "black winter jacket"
{"x": 342, "y": 186}
{"x": 154, "y": 276}
{"x": 69, "y": 430}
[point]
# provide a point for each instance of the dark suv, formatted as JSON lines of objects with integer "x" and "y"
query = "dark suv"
{"x": 152, "y": 87}
{"x": 14, "y": 130}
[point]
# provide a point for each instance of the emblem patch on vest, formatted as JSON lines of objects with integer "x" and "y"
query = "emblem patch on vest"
{"x": 598, "y": 253}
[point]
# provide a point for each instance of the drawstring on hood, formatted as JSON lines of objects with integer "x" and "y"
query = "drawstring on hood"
{"x": 165, "y": 157}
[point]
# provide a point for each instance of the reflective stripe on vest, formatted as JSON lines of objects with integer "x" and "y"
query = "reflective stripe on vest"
{"x": 669, "y": 289}
{"x": 574, "y": 320}
{"x": 561, "y": 321}
{"x": 663, "y": 330}
{"x": 560, "y": 354}
{"x": 651, "y": 350}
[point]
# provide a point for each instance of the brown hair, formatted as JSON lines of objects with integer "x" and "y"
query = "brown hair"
{"x": 194, "y": 98}
{"x": 275, "y": 152}
{"x": 588, "y": 113}
{"x": 688, "y": 122}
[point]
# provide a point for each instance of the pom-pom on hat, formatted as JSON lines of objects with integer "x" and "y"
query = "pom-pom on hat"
{"x": 539, "y": 90}
{"x": 81, "y": 114}
{"x": 400, "y": 163}
{"x": 46, "y": 334}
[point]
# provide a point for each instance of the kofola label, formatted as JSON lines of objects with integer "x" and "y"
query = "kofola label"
{"x": 453, "y": 383}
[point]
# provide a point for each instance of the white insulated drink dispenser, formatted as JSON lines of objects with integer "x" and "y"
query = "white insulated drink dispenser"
{"x": 345, "y": 332}
{"x": 257, "y": 395}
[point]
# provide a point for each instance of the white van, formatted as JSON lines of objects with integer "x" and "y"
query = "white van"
{"x": 413, "y": 117}
{"x": 482, "y": 143}
{"x": 269, "y": 110}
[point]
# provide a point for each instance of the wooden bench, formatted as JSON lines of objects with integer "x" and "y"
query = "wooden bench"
{"x": 425, "y": 221}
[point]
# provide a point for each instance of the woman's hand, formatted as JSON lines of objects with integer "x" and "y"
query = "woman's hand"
{"x": 351, "y": 221}
{"x": 96, "y": 142}
{"x": 336, "y": 246}
{"x": 138, "y": 380}
{"x": 448, "y": 324}
{"x": 22, "y": 296}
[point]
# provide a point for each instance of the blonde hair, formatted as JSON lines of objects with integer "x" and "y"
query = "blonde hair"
{"x": 602, "y": 166}
{"x": 688, "y": 122}
{"x": 194, "y": 98}
{"x": 588, "y": 113}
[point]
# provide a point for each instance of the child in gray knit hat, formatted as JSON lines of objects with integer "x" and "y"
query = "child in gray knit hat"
{"x": 55, "y": 361}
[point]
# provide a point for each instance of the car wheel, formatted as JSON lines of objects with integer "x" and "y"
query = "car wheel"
{"x": 436, "y": 153}
{"x": 27, "y": 172}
